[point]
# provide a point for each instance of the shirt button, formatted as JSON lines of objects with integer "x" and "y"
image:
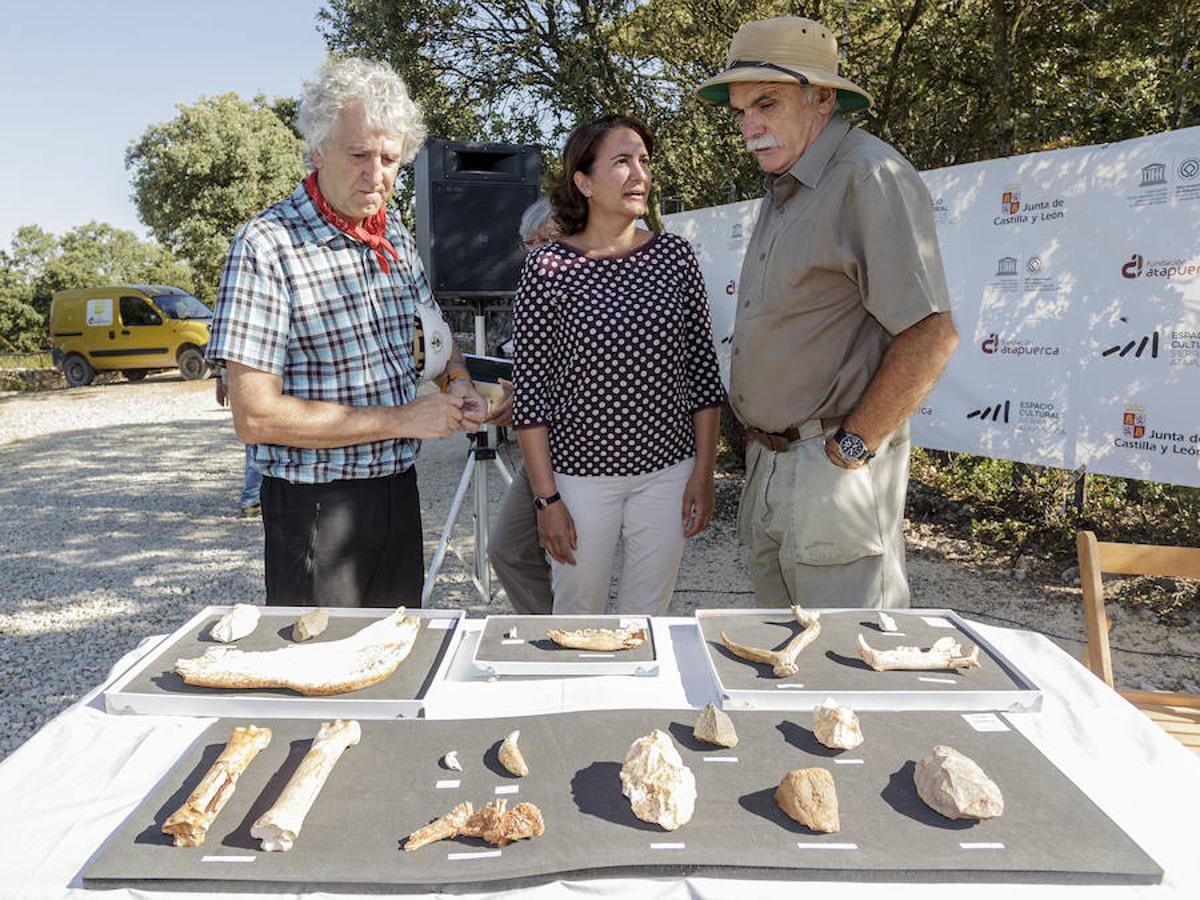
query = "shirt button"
{"x": 762, "y": 256}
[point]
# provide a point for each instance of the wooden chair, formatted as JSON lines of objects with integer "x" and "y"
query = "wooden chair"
{"x": 1177, "y": 714}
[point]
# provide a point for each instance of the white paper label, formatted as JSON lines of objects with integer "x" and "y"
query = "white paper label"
{"x": 982, "y": 845}
{"x": 849, "y": 762}
{"x": 985, "y": 722}
{"x": 788, "y": 687}
{"x": 448, "y": 783}
{"x": 930, "y": 679}
{"x": 479, "y": 854}
{"x": 937, "y": 622}
{"x": 507, "y": 641}
{"x": 731, "y": 759}
{"x": 439, "y": 624}
{"x": 225, "y": 859}
{"x": 507, "y": 789}
{"x": 665, "y": 845}
{"x": 596, "y": 655}
{"x": 893, "y": 634}
{"x": 826, "y": 846}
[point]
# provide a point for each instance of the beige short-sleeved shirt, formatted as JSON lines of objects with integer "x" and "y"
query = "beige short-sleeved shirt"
{"x": 843, "y": 258}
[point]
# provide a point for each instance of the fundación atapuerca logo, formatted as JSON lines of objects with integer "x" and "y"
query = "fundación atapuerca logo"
{"x": 1177, "y": 267}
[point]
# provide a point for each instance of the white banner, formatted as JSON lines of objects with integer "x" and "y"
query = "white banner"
{"x": 1075, "y": 282}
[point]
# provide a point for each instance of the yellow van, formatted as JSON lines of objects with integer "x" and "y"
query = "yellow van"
{"x": 134, "y": 328}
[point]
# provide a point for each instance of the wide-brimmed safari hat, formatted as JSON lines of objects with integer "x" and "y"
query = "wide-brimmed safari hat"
{"x": 787, "y": 48}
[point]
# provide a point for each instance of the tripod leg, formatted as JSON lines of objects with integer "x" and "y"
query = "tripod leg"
{"x": 436, "y": 565}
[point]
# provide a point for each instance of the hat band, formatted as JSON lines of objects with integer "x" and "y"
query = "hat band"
{"x": 757, "y": 64}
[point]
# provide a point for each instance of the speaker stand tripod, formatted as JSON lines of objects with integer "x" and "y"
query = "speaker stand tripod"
{"x": 482, "y": 452}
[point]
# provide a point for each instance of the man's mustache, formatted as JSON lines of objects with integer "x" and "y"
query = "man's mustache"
{"x": 766, "y": 142}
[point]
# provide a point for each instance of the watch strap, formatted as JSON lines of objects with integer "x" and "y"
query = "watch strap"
{"x": 543, "y": 502}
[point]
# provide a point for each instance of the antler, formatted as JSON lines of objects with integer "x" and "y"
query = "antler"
{"x": 782, "y": 662}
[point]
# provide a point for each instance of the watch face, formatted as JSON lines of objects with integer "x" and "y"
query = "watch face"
{"x": 852, "y": 446}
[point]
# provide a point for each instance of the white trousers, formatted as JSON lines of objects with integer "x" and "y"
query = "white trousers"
{"x": 644, "y": 512}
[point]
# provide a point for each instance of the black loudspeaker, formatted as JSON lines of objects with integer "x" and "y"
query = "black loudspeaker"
{"x": 469, "y": 200}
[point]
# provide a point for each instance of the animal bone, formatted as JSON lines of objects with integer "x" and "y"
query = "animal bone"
{"x": 836, "y": 726}
{"x": 493, "y": 823}
{"x": 510, "y": 756}
{"x": 511, "y": 633}
{"x": 310, "y": 625}
{"x": 315, "y": 670}
{"x": 279, "y": 826}
{"x": 450, "y": 761}
{"x": 713, "y": 726}
{"x": 235, "y": 624}
{"x": 955, "y": 786}
{"x": 946, "y": 653}
{"x": 783, "y": 662}
{"x": 660, "y": 788}
{"x": 809, "y": 797}
{"x": 886, "y": 622}
{"x": 440, "y": 829}
{"x": 500, "y": 827}
{"x": 190, "y": 823}
{"x": 598, "y": 638}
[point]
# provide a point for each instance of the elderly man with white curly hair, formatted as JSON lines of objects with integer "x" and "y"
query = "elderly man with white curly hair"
{"x": 314, "y": 321}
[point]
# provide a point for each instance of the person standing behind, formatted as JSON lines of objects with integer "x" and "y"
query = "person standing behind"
{"x": 314, "y": 320}
{"x": 842, "y": 327}
{"x": 518, "y": 559}
{"x": 617, "y": 389}
{"x": 251, "y": 478}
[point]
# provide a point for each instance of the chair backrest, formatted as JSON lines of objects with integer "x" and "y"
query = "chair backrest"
{"x": 1121, "y": 559}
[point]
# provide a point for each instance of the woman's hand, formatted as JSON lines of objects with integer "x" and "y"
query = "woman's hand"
{"x": 697, "y": 503}
{"x": 556, "y": 532}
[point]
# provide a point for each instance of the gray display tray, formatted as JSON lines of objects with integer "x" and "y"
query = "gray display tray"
{"x": 532, "y": 653}
{"x": 387, "y": 786}
{"x": 152, "y": 688}
{"x": 830, "y": 667}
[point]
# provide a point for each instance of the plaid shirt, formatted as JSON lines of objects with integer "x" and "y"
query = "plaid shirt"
{"x": 304, "y": 301}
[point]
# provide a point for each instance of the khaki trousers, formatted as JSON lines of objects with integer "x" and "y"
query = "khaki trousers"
{"x": 820, "y": 535}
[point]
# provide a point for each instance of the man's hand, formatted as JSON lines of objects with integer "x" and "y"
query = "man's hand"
{"x": 434, "y": 416}
{"x": 503, "y": 414}
{"x": 697, "y": 503}
{"x": 474, "y": 407}
{"x": 556, "y": 532}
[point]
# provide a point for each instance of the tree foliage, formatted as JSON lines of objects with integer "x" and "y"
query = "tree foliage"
{"x": 201, "y": 175}
{"x": 37, "y": 265}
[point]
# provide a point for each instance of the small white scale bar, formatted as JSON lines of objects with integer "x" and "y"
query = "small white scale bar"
{"x": 892, "y": 634}
{"x": 981, "y": 845}
{"x": 439, "y": 624}
{"x": 937, "y": 622}
{"x": 478, "y": 854}
{"x": 787, "y": 687}
{"x": 667, "y": 845}
{"x": 849, "y": 762}
{"x": 985, "y": 722}
{"x": 731, "y": 759}
{"x": 802, "y": 846}
{"x": 507, "y": 789}
{"x": 512, "y": 641}
{"x": 445, "y": 783}
{"x": 936, "y": 680}
{"x": 596, "y": 655}
{"x": 225, "y": 859}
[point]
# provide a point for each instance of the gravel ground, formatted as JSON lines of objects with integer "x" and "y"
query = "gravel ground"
{"x": 120, "y": 521}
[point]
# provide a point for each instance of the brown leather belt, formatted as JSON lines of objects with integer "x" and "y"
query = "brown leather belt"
{"x": 779, "y": 441}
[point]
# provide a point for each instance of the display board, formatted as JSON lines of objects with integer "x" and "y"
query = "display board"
{"x": 1074, "y": 278}
{"x": 518, "y": 645}
{"x": 392, "y": 783}
{"x": 153, "y": 688}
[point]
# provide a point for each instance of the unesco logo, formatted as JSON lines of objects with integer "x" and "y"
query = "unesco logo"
{"x": 997, "y": 413}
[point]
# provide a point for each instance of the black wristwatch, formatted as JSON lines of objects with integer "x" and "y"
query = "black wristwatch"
{"x": 543, "y": 502}
{"x": 851, "y": 446}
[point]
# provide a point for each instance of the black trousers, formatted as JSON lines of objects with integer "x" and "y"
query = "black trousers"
{"x": 344, "y": 543}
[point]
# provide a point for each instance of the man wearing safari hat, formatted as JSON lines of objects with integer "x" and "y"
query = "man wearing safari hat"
{"x": 843, "y": 325}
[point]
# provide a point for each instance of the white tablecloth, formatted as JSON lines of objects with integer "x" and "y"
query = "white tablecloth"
{"x": 68, "y": 788}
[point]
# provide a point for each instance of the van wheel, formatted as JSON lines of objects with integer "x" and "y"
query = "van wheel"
{"x": 135, "y": 374}
{"x": 191, "y": 364}
{"x": 77, "y": 370}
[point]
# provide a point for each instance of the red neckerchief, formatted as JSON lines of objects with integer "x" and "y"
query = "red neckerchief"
{"x": 371, "y": 232}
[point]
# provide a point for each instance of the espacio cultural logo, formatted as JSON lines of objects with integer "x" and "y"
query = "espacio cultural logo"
{"x": 997, "y": 412}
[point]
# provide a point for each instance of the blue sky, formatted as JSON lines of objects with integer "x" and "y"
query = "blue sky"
{"x": 80, "y": 79}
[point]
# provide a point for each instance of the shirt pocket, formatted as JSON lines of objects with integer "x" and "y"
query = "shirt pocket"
{"x": 835, "y": 518}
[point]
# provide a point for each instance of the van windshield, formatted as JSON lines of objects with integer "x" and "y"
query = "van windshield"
{"x": 182, "y": 306}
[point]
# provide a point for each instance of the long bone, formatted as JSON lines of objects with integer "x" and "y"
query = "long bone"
{"x": 946, "y": 653}
{"x": 280, "y": 825}
{"x": 782, "y": 662}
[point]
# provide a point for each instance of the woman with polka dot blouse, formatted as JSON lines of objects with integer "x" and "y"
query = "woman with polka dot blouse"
{"x": 617, "y": 391}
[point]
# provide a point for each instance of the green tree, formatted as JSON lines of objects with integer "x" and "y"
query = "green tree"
{"x": 198, "y": 177}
